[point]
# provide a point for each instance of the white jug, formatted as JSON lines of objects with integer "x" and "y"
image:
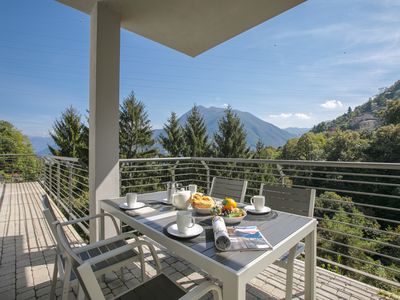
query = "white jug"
{"x": 180, "y": 199}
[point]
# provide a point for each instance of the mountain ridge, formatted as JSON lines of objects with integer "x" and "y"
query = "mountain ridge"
{"x": 366, "y": 116}
{"x": 256, "y": 128}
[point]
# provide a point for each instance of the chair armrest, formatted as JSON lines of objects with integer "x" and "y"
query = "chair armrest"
{"x": 122, "y": 249}
{"x": 203, "y": 289}
{"x": 79, "y": 220}
{"x": 90, "y": 246}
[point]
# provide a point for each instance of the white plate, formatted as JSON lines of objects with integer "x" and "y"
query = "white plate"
{"x": 252, "y": 210}
{"x": 194, "y": 231}
{"x": 202, "y": 211}
{"x": 137, "y": 206}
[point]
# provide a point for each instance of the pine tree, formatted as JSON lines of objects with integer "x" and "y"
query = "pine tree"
{"x": 230, "y": 140}
{"x": 195, "y": 134}
{"x": 67, "y": 134}
{"x": 135, "y": 136}
{"x": 173, "y": 141}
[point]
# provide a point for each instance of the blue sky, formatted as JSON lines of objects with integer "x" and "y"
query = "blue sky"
{"x": 302, "y": 67}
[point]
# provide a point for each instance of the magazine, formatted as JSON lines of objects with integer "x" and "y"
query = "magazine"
{"x": 239, "y": 238}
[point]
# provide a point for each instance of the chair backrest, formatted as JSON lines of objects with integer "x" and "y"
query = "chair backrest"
{"x": 292, "y": 200}
{"x": 233, "y": 188}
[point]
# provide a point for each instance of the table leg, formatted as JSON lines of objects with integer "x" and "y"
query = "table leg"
{"x": 310, "y": 264}
{"x": 233, "y": 289}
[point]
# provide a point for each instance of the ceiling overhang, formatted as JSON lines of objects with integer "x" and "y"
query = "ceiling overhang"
{"x": 190, "y": 26}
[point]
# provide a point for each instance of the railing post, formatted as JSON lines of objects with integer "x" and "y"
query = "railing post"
{"x": 70, "y": 187}
{"x": 51, "y": 177}
{"x": 173, "y": 175}
{"x": 208, "y": 175}
{"x": 58, "y": 181}
{"x": 281, "y": 174}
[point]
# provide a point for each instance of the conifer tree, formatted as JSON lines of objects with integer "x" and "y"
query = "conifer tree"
{"x": 67, "y": 134}
{"x": 135, "y": 132}
{"x": 173, "y": 141}
{"x": 230, "y": 140}
{"x": 195, "y": 134}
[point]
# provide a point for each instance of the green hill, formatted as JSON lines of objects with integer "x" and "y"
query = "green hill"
{"x": 364, "y": 117}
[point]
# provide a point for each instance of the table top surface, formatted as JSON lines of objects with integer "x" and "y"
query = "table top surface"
{"x": 276, "y": 227}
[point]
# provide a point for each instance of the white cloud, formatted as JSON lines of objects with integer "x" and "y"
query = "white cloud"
{"x": 282, "y": 115}
{"x": 301, "y": 116}
{"x": 332, "y": 104}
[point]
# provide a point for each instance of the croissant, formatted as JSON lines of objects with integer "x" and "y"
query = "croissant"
{"x": 199, "y": 201}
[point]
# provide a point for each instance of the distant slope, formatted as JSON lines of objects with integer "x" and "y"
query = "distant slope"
{"x": 40, "y": 144}
{"x": 256, "y": 128}
{"x": 297, "y": 131}
{"x": 363, "y": 117}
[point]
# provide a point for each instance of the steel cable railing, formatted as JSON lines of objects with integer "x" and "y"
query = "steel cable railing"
{"x": 357, "y": 204}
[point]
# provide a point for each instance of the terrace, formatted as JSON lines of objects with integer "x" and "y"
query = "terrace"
{"x": 27, "y": 246}
{"x": 357, "y": 203}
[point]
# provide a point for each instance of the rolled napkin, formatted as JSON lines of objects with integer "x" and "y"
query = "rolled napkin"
{"x": 221, "y": 237}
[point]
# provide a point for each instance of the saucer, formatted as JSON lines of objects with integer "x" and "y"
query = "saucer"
{"x": 192, "y": 232}
{"x": 252, "y": 210}
{"x": 126, "y": 207}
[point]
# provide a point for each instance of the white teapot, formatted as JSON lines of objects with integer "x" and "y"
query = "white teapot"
{"x": 180, "y": 199}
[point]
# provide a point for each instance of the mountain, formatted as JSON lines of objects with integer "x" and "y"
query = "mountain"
{"x": 364, "y": 117}
{"x": 40, "y": 144}
{"x": 296, "y": 131}
{"x": 256, "y": 128}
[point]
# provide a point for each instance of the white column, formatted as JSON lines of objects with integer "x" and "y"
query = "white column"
{"x": 103, "y": 109}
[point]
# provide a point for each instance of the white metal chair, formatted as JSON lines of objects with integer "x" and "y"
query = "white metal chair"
{"x": 296, "y": 201}
{"x": 64, "y": 269}
{"x": 158, "y": 287}
{"x": 233, "y": 188}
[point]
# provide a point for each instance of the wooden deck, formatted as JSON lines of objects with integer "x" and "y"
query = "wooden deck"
{"x": 27, "y": 259}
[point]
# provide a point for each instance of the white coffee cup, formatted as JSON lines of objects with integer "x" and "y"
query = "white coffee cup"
{"x": 258, "y": 202}
{"x": 184, "y": 220}
{"x": 131, "y": 199}
{"x": 192, "y": 188}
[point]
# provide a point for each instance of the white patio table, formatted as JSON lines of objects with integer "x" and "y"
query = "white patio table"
{"x": 234, "y": 269}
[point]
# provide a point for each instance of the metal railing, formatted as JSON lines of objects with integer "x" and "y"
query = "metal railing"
{"x": 67, "y": 182}
{"x": 357, "y": 204}
{"x": 20, "y": 167}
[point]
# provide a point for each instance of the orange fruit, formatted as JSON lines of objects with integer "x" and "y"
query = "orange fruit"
{"x": 229, "y": 203}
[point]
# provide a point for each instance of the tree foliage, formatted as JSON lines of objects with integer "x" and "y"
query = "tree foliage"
{"x": 385, "y": 144}
{"x": 173, "y": 142}
{"x": 392, "y": 113}
{"x": 310, "y": 146}
{"x": 135, "y": 136}
{"x": 345, "y": 146}
{"x": 17, "y": 167}
{"x": 195, "y": 134}
{"x": 67, "y": 134}
{"x": 230, "y": 140}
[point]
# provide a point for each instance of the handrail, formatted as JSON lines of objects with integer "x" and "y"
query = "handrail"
{"x": 335, "y": 164}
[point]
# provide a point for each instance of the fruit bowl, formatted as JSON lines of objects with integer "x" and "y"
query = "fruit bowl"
{"x": 234, "y": 220}
{"x": 229, "y": 211}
